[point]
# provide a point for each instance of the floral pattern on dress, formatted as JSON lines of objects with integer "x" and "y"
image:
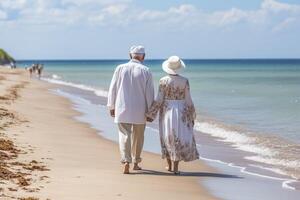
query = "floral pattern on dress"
{"x": 170, "y": 91}
{"x": 163, "y": 109}
{"x": 188, "y": 116}
{"x": 176, "y": 150}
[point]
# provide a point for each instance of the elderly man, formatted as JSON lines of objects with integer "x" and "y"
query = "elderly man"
{"x": 130, "y": 95}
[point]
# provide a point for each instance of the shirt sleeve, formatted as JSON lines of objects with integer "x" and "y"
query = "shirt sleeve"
{"x": 112, "y": 92}
{"x": 157, "y": 103}
{"x": 189, "y": 101}
{"x": 149, "y": 92}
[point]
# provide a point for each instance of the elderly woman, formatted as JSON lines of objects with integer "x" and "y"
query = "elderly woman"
{"x": 176, "y": 116}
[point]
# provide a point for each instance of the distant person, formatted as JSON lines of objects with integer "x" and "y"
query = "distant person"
{"x": 40, "y": 68}
{"x": 177, "y": 115}
{"x": 34, "y": 68}
{"x": 30, "y": 69}
{"x": 13, "y": 65}
{"x": 131, "y": 94}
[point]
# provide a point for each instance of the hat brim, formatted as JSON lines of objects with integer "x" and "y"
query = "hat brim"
{"x": 165, "y": 67}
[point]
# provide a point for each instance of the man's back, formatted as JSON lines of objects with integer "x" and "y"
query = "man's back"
{"x": 131, "y": 92}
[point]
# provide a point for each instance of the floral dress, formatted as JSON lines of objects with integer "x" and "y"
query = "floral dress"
{"x": 176, "y": 118}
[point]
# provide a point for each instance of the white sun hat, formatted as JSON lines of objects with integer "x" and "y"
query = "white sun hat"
{"x": 173, "y": 65}
{"x": 137, "y": 49}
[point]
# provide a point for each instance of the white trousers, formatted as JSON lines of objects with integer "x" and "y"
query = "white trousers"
{"x": 131, "y": 151}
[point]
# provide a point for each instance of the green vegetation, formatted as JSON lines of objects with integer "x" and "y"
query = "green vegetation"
{"x": 5, "y": 58}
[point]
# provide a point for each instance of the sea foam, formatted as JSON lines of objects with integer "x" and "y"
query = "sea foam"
{"x": 266, "y": 151}
{"x": 57, "y": 80}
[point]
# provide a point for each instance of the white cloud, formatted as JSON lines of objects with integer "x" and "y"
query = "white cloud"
{"x": 13, "y": 4}
{"x": 184, "y": 9}
{"x": 228, "y": 17}
{"x": 276, "y": 6}
{"x": 271, "y": 13}
{"x": 114, "y": 14}
{"x": 115, "y": 9}
{"x": 94, "y": 2}
{"x": 180, "y": 16}
{"x": 154, "y": 15}
{"x": 284, "y": 24}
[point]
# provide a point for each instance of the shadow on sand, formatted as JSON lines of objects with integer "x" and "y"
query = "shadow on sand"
{"x": 186, "y": 174}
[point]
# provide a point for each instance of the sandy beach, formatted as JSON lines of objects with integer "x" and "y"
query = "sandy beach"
{"x": 47, "y": 154}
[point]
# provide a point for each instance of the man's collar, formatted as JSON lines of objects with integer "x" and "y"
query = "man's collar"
{"x": 135, "y": 60}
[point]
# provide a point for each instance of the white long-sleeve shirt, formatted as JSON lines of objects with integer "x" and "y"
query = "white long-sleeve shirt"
{"x": 131, "y": 92}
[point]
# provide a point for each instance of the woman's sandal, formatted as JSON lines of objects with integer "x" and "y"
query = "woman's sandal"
{"x": 137, "y": 167}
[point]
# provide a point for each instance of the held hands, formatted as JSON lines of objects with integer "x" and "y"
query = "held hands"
{"x": 112, "y": 113}
{"x": 149, "y": 119}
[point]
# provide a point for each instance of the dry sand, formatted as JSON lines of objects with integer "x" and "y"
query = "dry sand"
{"x": 53, "y": 156}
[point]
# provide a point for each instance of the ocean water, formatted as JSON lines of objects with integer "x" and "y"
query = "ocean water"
{"x": 252, "y": 107}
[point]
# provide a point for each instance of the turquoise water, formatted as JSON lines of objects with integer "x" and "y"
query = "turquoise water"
{"x": 251, "y": 105}
{"x": 261, "y": 96}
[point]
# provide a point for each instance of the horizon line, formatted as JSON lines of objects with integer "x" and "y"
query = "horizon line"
{"x": 110, "y": 59}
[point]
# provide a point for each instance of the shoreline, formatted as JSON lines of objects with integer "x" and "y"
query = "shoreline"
{"x": 76, "y": 154}
{"x": 251, "y": 147}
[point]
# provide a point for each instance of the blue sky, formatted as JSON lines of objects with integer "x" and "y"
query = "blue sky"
{"x": 105, "y": 29}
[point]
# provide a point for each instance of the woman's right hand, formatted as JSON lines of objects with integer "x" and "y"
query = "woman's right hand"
{"x": 149, "y": 119}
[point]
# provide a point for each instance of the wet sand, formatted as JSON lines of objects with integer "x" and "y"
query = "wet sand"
{"x": 52, "y": 156}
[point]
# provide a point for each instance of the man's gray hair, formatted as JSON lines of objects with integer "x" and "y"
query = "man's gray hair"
{"x": 137, "y": 55}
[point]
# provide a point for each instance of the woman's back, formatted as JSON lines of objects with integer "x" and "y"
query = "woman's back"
{"x": 173, "y": 87}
